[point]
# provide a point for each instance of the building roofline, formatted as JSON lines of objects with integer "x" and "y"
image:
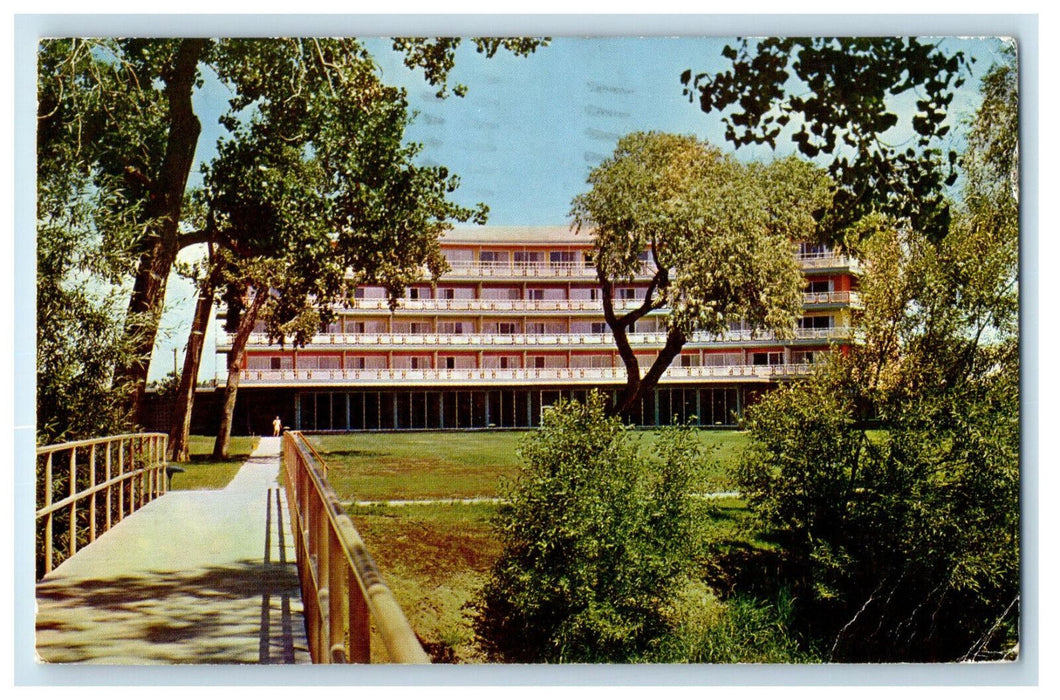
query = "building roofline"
{"x": 521, "y": 235}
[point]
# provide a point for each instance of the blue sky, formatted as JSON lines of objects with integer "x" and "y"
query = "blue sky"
{"x": 526, "y": 135}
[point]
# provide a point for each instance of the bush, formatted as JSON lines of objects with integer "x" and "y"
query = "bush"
{"x": 596, "y": 539}
{"x": 740, "y": 630}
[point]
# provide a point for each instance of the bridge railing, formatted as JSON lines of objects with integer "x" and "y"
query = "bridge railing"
{"x": 86, "y": 487}
{"x": 343, "y": 593}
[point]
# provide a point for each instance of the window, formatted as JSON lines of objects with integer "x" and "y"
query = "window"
{"x": 319, "y": 362}
{"x": 628, "y": 293}
{"x": 446, "y": 293}
{"x": 455, "y": 327}
{"x": 355, "y": 363}
{"x": 501, "y": 361}
{"x": 819, "y": 286}
{"x": 562, "y": 257}
{"x": 648, "y": 325}
{"x": 690, "y": 361}
{"x": 722, "y": 359}
{"x": 816, "y": 322}
{"x": 419, "y": 292}
{"x": 412, "y": 326}
{"x": 535, "y": 294}
{"x": 501, "y": 293}
{"x": 412, "y": 362}
{"x": 507, "y": 328}
{"x": 598, "y": 327}
{"x": 529, "y": 257}
{"x": 767, "y": 358}
{"x": 805, "y": 357}
{"x": 593, "y": 361}
{"x": 355, "y": 326}
{"x": 494, "y": 256}
{"x": 458, "y": 255}
{"x": 813, "y": 250}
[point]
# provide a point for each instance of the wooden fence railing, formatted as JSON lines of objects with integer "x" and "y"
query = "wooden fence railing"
{"x": 97, "y": 483}
{"x": 343, "y": 593}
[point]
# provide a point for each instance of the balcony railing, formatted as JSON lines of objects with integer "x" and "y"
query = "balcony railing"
{"x": 490, "y": 305}
{"x": 827, "y": 260}
{"x": 557, "y": 340}
{"x": 554, "y": 375}
{"x": 822, "y": 298}
{"x": 584, "y": 270}
{"x": 519, "y": 270}
{"x": 545, "y": 305}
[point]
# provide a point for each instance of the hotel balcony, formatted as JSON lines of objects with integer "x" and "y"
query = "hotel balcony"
{"x": 505, "y": 377}
{"x": 551, "y": 306}
{"x": 476, "y": 270}
{"x": 828, "y": 261}
{"x": 475, "y": 341}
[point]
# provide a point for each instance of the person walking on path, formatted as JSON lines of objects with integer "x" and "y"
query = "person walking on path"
{"x": 277, "y": 426}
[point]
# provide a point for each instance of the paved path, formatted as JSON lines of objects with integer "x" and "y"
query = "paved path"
{"x": 192, "y": 577}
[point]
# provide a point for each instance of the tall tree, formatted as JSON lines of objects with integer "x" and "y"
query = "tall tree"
{"x": 86, "y": 233}
{"x": 120, "y": 112}
{"x": 905, "y": 541}
{"x": 317, "y": 186}
{"x": 719, "y": 235}
{"x": 838, "y": 96}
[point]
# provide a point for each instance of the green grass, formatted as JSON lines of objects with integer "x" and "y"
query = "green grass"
{"x": 435, "y": 465}
{"x": 435, "y": 557}
{"x": 202, "y": 472}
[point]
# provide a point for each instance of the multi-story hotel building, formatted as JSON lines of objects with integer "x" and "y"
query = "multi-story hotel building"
{"x": 516, "y": 323}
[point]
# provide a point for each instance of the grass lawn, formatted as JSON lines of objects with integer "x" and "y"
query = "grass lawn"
{"x": 435, "y": 557}
{"x": 435, "y": 465}
{"x": 202, "y": 472}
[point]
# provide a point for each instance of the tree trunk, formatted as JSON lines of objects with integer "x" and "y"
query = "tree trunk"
{"x": 638, "y": 387}
{"x": 235, "y": 361}
{"x": 162, "y": 216}
{"x": 185, "y": 399}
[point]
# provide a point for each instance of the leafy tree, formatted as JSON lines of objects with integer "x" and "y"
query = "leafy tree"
{"x": 119, "y": 114}
{"x": 905, "y": 540}
{"x": 719, "y": 235}
{"x": 596, "y": 539}
{"x": 84, "y": 252}
{"x": 837, "y": 97}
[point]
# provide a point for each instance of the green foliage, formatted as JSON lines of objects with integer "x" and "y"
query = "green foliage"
{"x": 739, "y": 630}
{"x": 435, "y": 56}
{"x": 313, "y": 149}
{"x": 906, "y": 546}
{"x": 84, "y": 250}
{"x": 718, "y": 232}
{"x": 839, "y": 94}
{"x": 595, "y": 540}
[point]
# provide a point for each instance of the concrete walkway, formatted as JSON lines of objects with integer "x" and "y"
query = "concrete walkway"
{"x": 203, "y": 577}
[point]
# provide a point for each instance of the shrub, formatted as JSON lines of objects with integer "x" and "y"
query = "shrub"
{"x": 596, "y": 539}
{"x": 741, "y": 629}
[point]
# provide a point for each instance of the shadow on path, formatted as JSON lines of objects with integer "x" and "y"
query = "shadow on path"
{"x": 189, "y": 602}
